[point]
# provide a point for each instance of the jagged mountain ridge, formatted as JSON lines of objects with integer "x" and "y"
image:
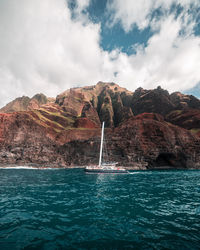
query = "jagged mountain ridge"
{"x": 147, "y": 128}
{"x": 109, "y": 102}
{"x": 26, "y": 103}
{"x": 101, "y": 102}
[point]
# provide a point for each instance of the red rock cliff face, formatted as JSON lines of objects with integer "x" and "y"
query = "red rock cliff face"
{"x": 145, "y": 129}
{"x": 101, "y": 102}
{"x": 160, "y": 144}
{"x": 26, "y": 138}
{"x": 143, "y": 142}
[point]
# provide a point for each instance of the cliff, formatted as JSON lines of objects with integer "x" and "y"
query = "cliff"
{"x": 145, "y": 129}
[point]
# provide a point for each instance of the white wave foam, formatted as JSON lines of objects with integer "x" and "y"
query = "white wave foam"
{"x": 138, "y": 172}
{"x": 18, "y": 167}
{"x": 27, "y": 167}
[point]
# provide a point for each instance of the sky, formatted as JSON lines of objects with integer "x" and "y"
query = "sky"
{"x": 49, "y": 46}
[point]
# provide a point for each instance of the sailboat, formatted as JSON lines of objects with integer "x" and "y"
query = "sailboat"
{"x": 103, "y": 167}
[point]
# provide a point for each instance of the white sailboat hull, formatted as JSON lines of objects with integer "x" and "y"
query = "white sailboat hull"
{"x": 105, "y": 168}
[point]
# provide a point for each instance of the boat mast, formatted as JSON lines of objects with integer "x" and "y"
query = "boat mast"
{"x": 101, "y": 148}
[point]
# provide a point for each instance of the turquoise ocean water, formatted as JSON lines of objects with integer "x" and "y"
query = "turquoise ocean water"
{"x": 68, "y": 209}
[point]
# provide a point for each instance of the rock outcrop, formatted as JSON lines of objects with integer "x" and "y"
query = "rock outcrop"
{"x": 102, "y": 102}
{"x": 182, "y": 101}
{"x": 145, "y": 129}
{"x": 156, "y": 100}
{"x": 25, "y": 103}
{"x": 187, "y": 118}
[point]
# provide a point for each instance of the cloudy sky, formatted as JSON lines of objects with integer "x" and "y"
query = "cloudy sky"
{"x": 49, "y": 46}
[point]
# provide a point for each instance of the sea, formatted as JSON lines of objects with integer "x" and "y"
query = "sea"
{"x": 69, "y": 209}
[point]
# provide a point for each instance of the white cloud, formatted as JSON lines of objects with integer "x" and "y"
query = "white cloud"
{"x": 139, "y": 13}
{"x": 80, "y": 10}
{"x": 43, "y": 50}
{"x": 82, "y": 5}
{"x": 130, "y": 12}
{"x": 169, "y": 59}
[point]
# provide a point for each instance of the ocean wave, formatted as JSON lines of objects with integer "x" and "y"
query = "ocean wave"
{"x": 71, "y": 210}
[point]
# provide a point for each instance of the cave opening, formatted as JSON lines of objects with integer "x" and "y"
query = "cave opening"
{"x": 165, "y": 160}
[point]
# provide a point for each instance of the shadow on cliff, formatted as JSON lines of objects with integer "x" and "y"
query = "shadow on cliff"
{"x": 168, "y": 161}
